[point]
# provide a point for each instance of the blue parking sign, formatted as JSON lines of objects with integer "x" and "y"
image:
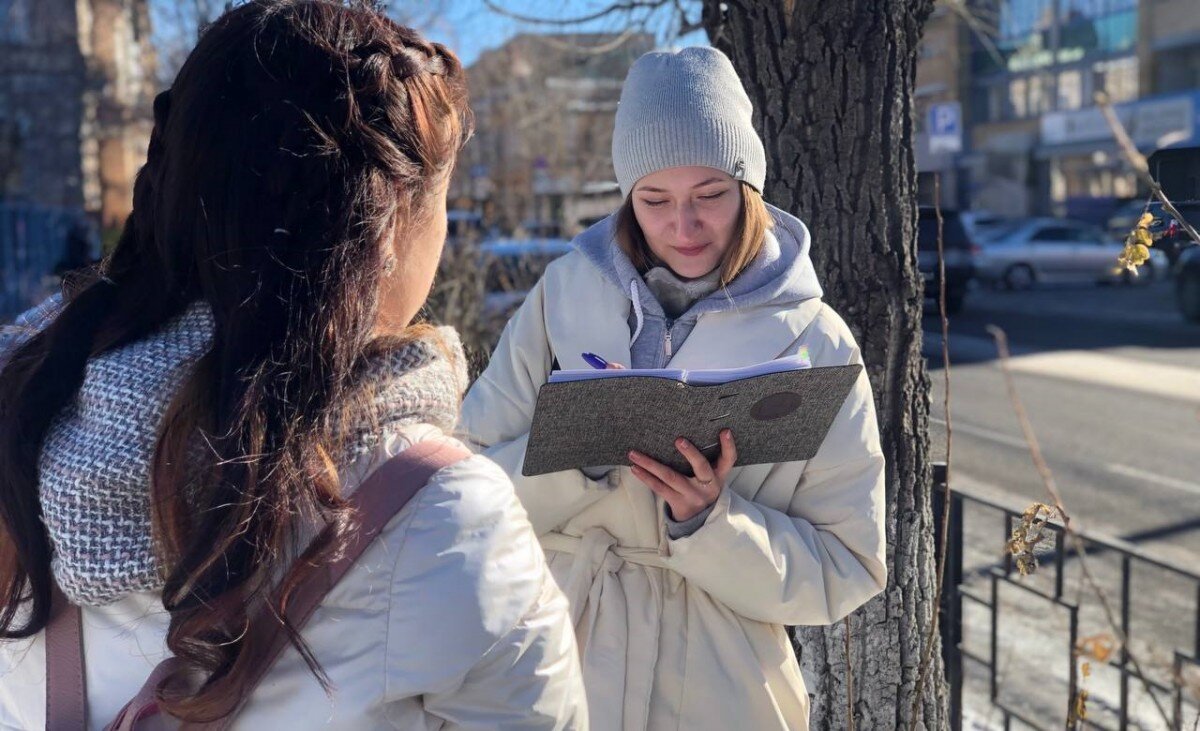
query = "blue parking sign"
{"x": 944, "y": 124}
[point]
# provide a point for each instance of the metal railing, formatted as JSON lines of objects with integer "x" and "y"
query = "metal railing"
{"x": 1003, "y": 572}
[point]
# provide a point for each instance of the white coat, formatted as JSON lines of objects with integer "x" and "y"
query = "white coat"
{"x": 449, "y": 620}
{"x": 689, "y": 633}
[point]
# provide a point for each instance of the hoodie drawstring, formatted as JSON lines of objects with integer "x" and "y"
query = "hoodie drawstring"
{"x": 637, "y": 311}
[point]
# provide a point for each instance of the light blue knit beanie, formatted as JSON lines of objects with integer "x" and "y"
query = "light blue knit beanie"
{"x": 685, "y": 107}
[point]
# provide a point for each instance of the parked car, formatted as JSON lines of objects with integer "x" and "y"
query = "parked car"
{"x": 1053, "y": 250}
{"x": 959, "y": 247}
{"x": 1187, "y": 283}
{"x": 1122, "y": 220}
{"x": 982, "y": 223}
{"x": 1173, "y": 240}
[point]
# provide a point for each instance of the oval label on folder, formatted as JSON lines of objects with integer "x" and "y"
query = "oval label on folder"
{"x": 775, "y": 406}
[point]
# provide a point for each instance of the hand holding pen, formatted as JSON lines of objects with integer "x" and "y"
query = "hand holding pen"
{"x": 686, "y": 496}
{"x": 599, "y": 363}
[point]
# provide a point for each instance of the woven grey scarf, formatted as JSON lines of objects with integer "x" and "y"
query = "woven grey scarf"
{"x": 95, "y": 462}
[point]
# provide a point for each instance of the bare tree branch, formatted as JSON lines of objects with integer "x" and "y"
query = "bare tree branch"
{"x": 982, "y": 30}
{"x": 597, "y": 50}
{"x": 617, "y": 7}
{"x": 927, "y": 658}
{"x": 685, "y": 24}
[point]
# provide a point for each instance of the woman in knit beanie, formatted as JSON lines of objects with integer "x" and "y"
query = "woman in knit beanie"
{"x": 681, "y": 587}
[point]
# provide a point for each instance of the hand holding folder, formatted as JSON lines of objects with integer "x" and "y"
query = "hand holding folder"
{"x": 779, "y": 411}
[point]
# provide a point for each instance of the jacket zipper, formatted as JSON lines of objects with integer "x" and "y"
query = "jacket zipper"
{"x": 667, "y": 344}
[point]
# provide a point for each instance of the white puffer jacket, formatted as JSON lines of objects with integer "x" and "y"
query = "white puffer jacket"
{"x": 449, "y": 620}
{"x": 688, "y": 633}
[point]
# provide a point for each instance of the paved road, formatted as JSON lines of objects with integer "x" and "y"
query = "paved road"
{"x": 1111, "y": 381}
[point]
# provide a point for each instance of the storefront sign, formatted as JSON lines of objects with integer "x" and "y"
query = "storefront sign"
{"x": 1166, "y": 121}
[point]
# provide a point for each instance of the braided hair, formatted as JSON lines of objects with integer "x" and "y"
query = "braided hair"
{"x": 298, "y": 136}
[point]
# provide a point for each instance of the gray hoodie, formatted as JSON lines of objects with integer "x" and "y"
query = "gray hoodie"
{"x": 782, "y": 273}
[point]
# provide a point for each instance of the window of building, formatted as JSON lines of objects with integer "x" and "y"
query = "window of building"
{"x": 1125, "y": 185}
{"x": 1117, "y": 32}
{"x": 1018, "y": 99}
{"x": 1058, "y": 181}
{"x": 1038, "y": 34}
{"x": 1177, "y": 70}
{"x": 986, "y": 103}
{"x": 1070, "y": 90}
{"x": 1037, "y": 95}
{"x": 1000, "y": 106}
{"x": 14, "y": 21}
{"x": 1094, "y": 8}
{"x": 1087, "y": 8}
{"x": 1020, "y": 18}
{"x": 1118, "y": 78}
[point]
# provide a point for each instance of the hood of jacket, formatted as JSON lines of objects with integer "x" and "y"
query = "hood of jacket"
{"x": 781, "y": 274}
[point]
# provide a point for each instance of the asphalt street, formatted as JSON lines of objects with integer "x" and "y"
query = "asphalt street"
{"x": 1110, "y": 378}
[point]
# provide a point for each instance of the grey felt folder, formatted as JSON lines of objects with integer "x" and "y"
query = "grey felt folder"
{"x": 775, "y": 417}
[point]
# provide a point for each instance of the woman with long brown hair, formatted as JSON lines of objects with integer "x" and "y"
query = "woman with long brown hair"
{"x": 183, "y": 435}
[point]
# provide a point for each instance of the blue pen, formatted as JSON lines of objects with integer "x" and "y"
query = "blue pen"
{"x": 595, "y": 361}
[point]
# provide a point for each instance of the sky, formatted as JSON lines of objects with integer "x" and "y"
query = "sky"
{"x": 470, "y": 27}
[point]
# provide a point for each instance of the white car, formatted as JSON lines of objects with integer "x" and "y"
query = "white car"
{"x": 1053, "y": 250}
{"x": 982, "y": 223}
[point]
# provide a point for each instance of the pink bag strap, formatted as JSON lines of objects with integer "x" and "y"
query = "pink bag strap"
{"x": 145, "y": 703}
{"x": 377, "y": 500}
{"x": 66, "y": 694}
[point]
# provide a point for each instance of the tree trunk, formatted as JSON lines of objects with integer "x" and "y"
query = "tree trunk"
{"x": 832, "y": 86}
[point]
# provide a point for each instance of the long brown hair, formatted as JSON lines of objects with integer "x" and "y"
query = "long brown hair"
{"x": 297, "y": 137}
{"x": 753, "y": 222}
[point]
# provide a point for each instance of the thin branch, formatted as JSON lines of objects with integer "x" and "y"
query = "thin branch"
{"x": 1039, "y": 462}
{"x": 685, "y": 25}
{"x": 715, "y": 28}
{"x": 627, "y": 6}
{"x": 927, "y": 655}
{"x": 588, "y": 50}
{"x": 1138, "y": 162}
{"x": 849, "y": 680}
{"x": 982, "y": 31}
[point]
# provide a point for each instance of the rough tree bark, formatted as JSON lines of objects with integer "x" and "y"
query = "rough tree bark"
{"x": 832, "y": 84}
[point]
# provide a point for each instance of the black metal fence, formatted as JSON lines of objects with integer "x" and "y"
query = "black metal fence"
{"x": 34, "y": 240}
{"x": 1178, "y": 700}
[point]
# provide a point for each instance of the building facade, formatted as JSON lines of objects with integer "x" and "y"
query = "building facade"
{"x": 540, "y": 162}
{"x": 940, "y": 88}
{"x": 1034, "y": 141}
{"x": 76, "y": 86}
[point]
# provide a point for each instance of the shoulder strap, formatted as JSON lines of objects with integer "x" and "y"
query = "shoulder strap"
{"x": 377, "y": 500}
{"x": 66, "y": 696}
